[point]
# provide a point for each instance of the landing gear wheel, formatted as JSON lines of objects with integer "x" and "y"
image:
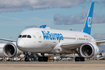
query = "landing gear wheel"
{"x": 45, "y": 59}
{"x": 82, "y": 59}
{"x": 26, "y": 59}
{"x": 77, "y": 59}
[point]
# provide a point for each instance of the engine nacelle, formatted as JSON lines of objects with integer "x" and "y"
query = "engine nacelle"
{"x": 10, "y": 50}
{"x": 1, "y": 50}
{"x": 89, "y": 50}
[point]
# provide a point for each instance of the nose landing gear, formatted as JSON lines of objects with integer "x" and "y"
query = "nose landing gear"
{"x": 26, "y": 57}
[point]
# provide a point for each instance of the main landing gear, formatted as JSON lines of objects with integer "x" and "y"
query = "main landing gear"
{"x": 79, "y": 58}
{"x": 43, "y": 58}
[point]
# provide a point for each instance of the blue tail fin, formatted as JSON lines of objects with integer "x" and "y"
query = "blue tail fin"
{"x": 88, "y": 25}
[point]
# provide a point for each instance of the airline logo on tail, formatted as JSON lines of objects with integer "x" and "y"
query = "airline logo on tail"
{"x": 88, "y": 25}
{"x": 89, "y": 21}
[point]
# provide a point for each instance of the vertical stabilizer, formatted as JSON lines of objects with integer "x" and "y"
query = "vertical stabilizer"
{"x": 88, "y": 24}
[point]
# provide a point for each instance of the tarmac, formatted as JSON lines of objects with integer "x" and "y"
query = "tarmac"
{"x": 56, "y": 65}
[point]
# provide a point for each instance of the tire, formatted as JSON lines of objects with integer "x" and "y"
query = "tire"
{"x": 40, "y": 59}
{"x": 45, "y": 59}
{"x": 26, "y": 59}
{"x": 82, "y": 59}
{"x": 77, "y": 59}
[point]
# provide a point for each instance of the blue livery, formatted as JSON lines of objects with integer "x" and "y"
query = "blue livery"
{"x": 52, "y": 36}
{"x": 88, "y": 25}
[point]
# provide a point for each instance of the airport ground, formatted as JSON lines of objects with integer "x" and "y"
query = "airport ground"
{"x": 56, "y": 65}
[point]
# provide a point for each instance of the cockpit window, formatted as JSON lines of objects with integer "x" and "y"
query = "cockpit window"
{"x": 24, "y": 36}
{"x": 20, "y": 36}
{"x": 28, "y": 36}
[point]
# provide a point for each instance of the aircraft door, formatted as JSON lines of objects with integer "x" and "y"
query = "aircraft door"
{"x": 39, "y": 37}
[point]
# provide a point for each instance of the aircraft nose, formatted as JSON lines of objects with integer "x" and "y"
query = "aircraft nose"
{"x": 21, "y": 44}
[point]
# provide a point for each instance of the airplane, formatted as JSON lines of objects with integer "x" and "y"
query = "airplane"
{"x": 52, "y": 41}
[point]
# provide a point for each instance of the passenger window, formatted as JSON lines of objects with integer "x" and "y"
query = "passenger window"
{"x": 24, "y": 36}
{"x": 28, "y": 36}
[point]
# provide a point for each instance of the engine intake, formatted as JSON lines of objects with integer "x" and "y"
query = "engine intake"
{"x": 89, "y": 50}
{"x": 11, "y": 50}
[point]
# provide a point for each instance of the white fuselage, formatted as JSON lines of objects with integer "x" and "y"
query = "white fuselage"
{"x": 42, "y": 40}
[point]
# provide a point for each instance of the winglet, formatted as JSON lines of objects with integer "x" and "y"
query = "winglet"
{"x": 88, "y": 24}
{"x": 42, "y": 26}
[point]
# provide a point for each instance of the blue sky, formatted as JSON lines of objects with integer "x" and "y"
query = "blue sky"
{"x": 17, "y": 15}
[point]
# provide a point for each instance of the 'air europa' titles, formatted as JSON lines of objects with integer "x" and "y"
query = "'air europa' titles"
{"x": 52, "y": 36}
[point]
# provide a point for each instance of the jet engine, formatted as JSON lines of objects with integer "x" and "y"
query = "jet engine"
{"x": 89, "y": 50}
{"x": 10, "y": 50}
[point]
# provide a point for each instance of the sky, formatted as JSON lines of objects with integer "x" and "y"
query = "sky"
{"x": 17, "y": 15}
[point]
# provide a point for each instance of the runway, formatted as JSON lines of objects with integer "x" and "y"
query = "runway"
{"x": 58, "y": 65}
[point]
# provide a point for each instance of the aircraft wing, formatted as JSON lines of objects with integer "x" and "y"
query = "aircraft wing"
{"x": 7, "y": 40}
{"x": 71, "y": 45}
{"x": 78, "y": 44}
{"x": 100, "y": 41}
